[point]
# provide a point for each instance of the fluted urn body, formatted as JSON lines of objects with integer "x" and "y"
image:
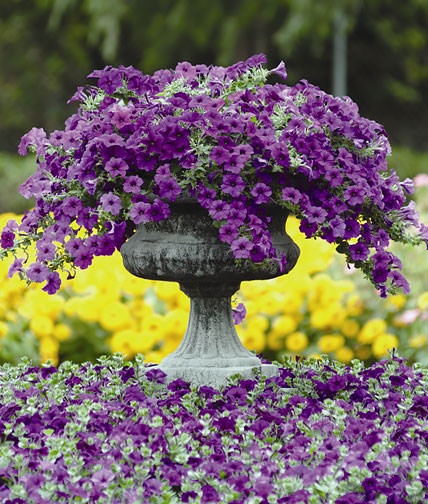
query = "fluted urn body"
{"x": 186, "y": 248}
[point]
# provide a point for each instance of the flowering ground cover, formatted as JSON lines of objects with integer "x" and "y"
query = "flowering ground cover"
{"x": 114, "y": 432}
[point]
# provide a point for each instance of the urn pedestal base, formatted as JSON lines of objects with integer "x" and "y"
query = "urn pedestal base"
{"x": 211, "y": 350}
{"x": 186, "y": 248}
{"x": 215, "y": 377}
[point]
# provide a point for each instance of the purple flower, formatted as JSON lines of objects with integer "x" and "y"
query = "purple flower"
{"x": 188, "y": 495}
{"x": 359, "y": 251}
{"x": 219, "y": 155}
{"x": 228, "y": 233}
{"x": 337, "y": 225}
{"x": 233, "y": 185}
{"x": 280, "y": 70}
{"x": 7, "y": 239}
{"x": 234, "y": 164}
{"x": 37, "y": 272}
{"x": 116, "y": 167}
{"x": 241, "y": 248}
{"x": 71, "y": 206}
{"x": 83, "y": 258}
{"x": 380, "y": 274}
{"x": 15, "y": 267}
{"x": 239, "y": 313}
{"x": 103, "y": 476}
{"x": 109, "y": 80}
{"x": 35, "y": 137}
{"x": 45, "y": 250}
{"x": 291, "y": 194}
{"x": 280, "y": 155}
{"x": 352, "y": 229}
{"x": 209, "y": 494}
{"x": 132, "y": 184}
{"x": 217, "y": 209}
{"x": 354, "y": 195}
{"x": 399, "y": 280}
{"x": 315, "y": 215}
{"x": 261, "y": 193}
{"x": 111, "y": 203}
{"x": 168, "y": 188}
{"x": 74, "y": 246}
{"x": 205, "y": 196}
{"x": 140, "y": 212}
{"x": 423, "y": 233}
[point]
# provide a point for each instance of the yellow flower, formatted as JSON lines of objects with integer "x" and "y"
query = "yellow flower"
{"x": 49, "y": 350}
{"x": 41, "y": 326}
{"x": 4, "y": 329}
{"x": 138, "y": 308}
{"x": 344, "y": 354}
{"x": 153, "y": 325}
{"x": 154, "y": 356}
{"x": 252, "y": 340}
{"x": 363, "y": 352}
{"x": 371, "y": 330}
{"x": 61, "y": 332}
{"x": 284, "y": 325}
{"x": 115, "y": 316}
{"x": 296, "y": 342}
{"x": 134, "y": 285}
{"x": 350, "y": 328}
{"x": 143, "y": 342}
{"x": 121, "y": 342}
{"x": 331, "y": 342}
{"x": 397, "y": 301}
{"x": 175, "y": 322}
{"x": 257, "y": 323}
{"x": 168, "y": 291}
{"x": 354, "y": 305}
{"x": 275, "y": 341}
{"x": 328, "y": 317}
{"x": 37, "y": 302}
{"x": 423, "y": 301}
{"x": 383, "y": 343}
{"x": 86, "y": 308}
{"x": 3, "y": 309}
{"x": 272, "y": 303}
{"x": 418, "y": 341}
{"x": 170, "y": 345}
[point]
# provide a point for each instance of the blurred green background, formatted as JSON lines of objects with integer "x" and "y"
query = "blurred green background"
{"x": 375, "y": 51}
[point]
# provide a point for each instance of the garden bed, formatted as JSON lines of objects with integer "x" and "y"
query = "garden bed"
{"x": 114, "y": 432}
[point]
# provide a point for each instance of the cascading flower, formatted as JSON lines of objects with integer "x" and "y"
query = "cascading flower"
{"x": 231, "y": 140}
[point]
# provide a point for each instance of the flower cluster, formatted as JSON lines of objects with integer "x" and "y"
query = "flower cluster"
{"x": 116, "y": 432}
{"x": 231, "y": 141}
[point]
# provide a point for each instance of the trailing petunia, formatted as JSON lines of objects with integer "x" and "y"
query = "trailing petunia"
{"x": 232, "y": 141}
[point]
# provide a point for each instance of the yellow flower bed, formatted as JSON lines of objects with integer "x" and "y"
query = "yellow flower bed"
{"x": 306, "y": 312}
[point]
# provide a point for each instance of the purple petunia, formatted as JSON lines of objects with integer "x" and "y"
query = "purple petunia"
{"x": 241, "y": 248}
{"x": 261, "y": 193}
{"x": 233, "y": 185}
{"x": 359, "y": 251}
{"x": 232, "y": 141}
{"x": 37, "y": 272}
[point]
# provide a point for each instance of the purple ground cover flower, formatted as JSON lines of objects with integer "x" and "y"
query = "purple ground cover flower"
{"x": 138, "y": 141}
{"x": 318, "y": 432}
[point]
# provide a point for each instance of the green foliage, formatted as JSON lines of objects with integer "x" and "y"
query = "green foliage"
{"x": 14, "y": 170}
{"x": 87, "y": 341}
{"x": 47, "y": 46}
{"x": 408, "y": 162}
{"x": 20, "y": 341}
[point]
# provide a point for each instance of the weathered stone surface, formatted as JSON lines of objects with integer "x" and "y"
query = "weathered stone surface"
{"x": 185, "y": 248}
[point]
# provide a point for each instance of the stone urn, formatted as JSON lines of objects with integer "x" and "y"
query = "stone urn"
{"x": 185, "y": 248}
